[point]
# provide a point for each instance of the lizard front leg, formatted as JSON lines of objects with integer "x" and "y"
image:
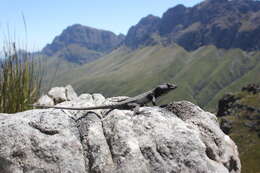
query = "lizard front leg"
{"x": 154, "y": 100}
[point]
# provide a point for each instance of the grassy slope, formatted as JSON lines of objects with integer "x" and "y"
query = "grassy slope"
{"x": 202, "y": 75}
{"x": 250, "y": 77}
{"x": 247, "y": 140}
{"x": 54, "y": 67}
{"x": 64, "y": 61}
{"x": 78, "y": 54}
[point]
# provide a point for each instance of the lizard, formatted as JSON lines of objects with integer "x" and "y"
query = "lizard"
{"x": 129, "y": 103}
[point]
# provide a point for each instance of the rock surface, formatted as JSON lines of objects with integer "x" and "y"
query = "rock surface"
{"x": 57, "y": 95}
{"x": 178, "y": 138}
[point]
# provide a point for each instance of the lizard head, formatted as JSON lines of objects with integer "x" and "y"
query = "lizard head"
{"x": 164, "y": 89}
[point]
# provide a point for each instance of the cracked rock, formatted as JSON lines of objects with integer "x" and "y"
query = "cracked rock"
{"x": 178, "y": 138}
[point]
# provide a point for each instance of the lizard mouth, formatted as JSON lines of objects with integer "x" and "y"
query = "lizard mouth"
{"x": 173, "y": 87}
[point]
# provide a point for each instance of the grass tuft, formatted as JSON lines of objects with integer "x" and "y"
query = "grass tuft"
{"x": 20, "y": 83}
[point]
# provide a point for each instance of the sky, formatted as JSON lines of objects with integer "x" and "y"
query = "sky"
{"x": 46, "y": 19}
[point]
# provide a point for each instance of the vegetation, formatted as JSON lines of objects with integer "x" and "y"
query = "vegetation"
{"x": 203, "y": 76}
{"x": 246, "y": 131}
{"x": 20, "y": 83}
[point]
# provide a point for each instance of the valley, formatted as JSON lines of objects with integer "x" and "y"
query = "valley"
{"x": 202, "y": 75}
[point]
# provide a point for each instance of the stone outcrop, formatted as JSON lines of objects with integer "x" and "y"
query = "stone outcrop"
{"x": 226, "y": 104}
{"x": 252, "y": 88}
{"x": 180, "y": 137}
{"x": 57, "y": 95}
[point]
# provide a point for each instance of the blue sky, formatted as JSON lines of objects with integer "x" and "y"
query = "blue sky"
{"x": 46, "y": 19}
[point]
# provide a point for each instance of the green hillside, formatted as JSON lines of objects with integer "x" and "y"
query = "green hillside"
{"x": 245, "y": 129}
{"x": 53, "y": 67}
{"x": 202, "y": 75}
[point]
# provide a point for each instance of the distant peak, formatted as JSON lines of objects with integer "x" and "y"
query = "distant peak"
{"x": 85, "y": 37}
{"x": 149, "y": 18}
{"x": 81, "y": 26}
{"x": 76, "y": 25}
{"x": 179, "y": 6}
{"x": 218, "y": 0}
{"x": 223, "y": 1}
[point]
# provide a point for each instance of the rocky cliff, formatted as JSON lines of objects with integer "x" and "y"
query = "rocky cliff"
{"x": 223, "y": 23}
{"x": 141, "y": 34}
{"x": 178, "y": 138}
{"x": 78, "y": 39}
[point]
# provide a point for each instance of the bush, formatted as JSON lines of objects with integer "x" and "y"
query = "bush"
{"x": 20, "y": 80}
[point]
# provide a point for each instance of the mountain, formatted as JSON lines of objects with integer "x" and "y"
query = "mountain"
{"x": 202, "y": 75}
{"x": 140, "y": 34}
{"x": 223, "y": 23}
{"x": 82, "y": 44}
{"x": 208, "y": 49}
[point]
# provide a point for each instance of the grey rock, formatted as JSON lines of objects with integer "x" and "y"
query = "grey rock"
{"x": 70, "y": 93}
{"x": 58, "y": 94}
{"x": 219, "y": 147}
{"x": 98, "y": 98}
{"x": 87, "y": 97}
{"x": 155, "y": 140}
{"x": 40, "y": 141}
{"x": 45, "y": 100}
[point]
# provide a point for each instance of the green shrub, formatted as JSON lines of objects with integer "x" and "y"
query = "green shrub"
{"x": 20, "y": 80}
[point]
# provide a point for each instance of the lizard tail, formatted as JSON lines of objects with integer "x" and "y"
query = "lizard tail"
{"x": 71, "y": 108}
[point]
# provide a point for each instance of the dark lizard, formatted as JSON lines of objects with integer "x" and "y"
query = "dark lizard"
{"x": 130, "y": 103}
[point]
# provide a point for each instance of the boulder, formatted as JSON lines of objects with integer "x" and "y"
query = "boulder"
{"x": 58, "y": 95}
{"x": 70, "y": 93}
{"x": 219, "y": 147}
{"x": 45, "y": 100}
{"x": 178, "y": 138}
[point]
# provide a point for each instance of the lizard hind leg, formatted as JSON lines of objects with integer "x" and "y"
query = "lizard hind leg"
{"x": 135, "y": 108}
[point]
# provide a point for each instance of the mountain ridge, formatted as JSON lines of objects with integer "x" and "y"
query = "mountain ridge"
{"x": 91, "y": 42}
{"x": 225, "y": 24}
{"x": 201, "y": 79}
